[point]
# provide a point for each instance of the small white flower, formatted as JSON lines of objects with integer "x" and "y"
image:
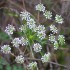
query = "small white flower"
{"x": 24, "y": 41}
{"x": 31, "y": 23}
{"x": 23, "y": 28}
{"x": 51, "y": 38}
{"x": 61, "y": 39}
{"x": 37, "y": 47}
{"x": 20, "y": 59}
{"x": 32, "y": 65}
{"x": 41, "y": 35}
{"x": 25, "y": 15}
{"x": 47, "y": 14}
{"x": 56, "y": 45}
{"x": 46, "y": 57}
{"x": 9, "y": 29}
{"x": 41, "y": 28}
{"x": 59, "y": 19}
{"x": 40, "y": 7}
{"x": 6, "y": 49}
{"x": 53, "y": 29}
{"x": 16, "y": 42}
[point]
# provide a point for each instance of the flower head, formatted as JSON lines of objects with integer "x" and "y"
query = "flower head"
{"x": 32, "y": 65}
{"x": 41, "y": 35}
{"x": 24, "y": 41}
{"x": 53, "y": 29}
{"x": 46, "y": 57}
{"x": 61, "y": 39}
{"x": 9, "y": 29}
{"x": 59, "y": 19}
{"x": 40, "y": 7}
{"x": 40, "y": 28}
{"x": 37, "y": 47}
{"x": 25, "y": 15}
{"x": 23, "y": 28}
{"x": 51, "y": 38}
{"x": 56, "y": 45}
{"x": 6, "y": 49}
{"x": 16, "y": 42}
{"x": 31, "y": 23}
{"x": 47, "y": 14}
{"x": 20, "y": 59}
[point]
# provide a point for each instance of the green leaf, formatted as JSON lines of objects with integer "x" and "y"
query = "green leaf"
{"x": 8, "y": 68}
{"x": 4, "y": 36}
{"x": 1, "y": 67}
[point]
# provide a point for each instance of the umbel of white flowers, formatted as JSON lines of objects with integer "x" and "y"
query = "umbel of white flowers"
{"x": 6, "y": 49}
{"x": 20, "y": 59}
{"x": 9, "y": 29}
{"x": 47, "y": 14}
{"x": 16, "y": 42}
{"x": 32, "y": 65}
{"x": 46, "y": 57}
{"x": 25, "y": 15}
{"x": 52, "y": 38}
{"x": 58, "y": 19}
{"x": 40, "y": 7}
{"x": 53, "y": 29}
{"x": 56, "y": 45}
{"x": 37, "y": 47}
{"x": 24, "y": 41}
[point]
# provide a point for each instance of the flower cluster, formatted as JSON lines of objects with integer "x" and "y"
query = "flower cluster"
{"x": 46, "y": 57}
{"x": 32, "y": 65}
{"x": 23, "y": 28}
{"x": 41, "y": 32}
{"x": 33, "y": 36}
{"x": 59, "y": 19}
{"x": 25, "y": 15}
{"x": 20, "y": 59}
{"x": 51, "y": 38}
{"x": 40, "y": 7}
{"x": 31, "y": 23}
{"x": 47, "y": 14}
{"x": 56, "y": 45}
{"x": 61, "y": 39}
{"x": 9, "y": 29}
{"x": 37, "y": 47}
{"x": 24, "y": 41}
{"x": 16, "y": 42}
{"x": 6, "y": 49}
{"x": 53, "y": 29}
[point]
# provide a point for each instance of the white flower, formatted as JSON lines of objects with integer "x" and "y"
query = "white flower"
{"x": 25, "y": 15}
{"x": 23, "y": 28}
{"x": 41, "y": 35}
{"x": 59, "y": 19}
{"x": 51, "y": 38}
{"x": 37, "y": 47}
{"x": 53, "y": 29}
{"x": 61, "y": 39}
{"x": 24, "y": 41}
{"x": 32, "y": 65}
{"x": 9, "y": 29}
{"x": 46, "y": 57}
{"x": 56, "y": 45}
{"x": 31, "y": 23}
{"x": 6, "y": 49}
{"x": 40, "y": 28}
{"x": 47, "y": 14}
{"x": 16, "y": 42}
{"x": 40, "y": 7}
{"x": 20, "y": 59}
